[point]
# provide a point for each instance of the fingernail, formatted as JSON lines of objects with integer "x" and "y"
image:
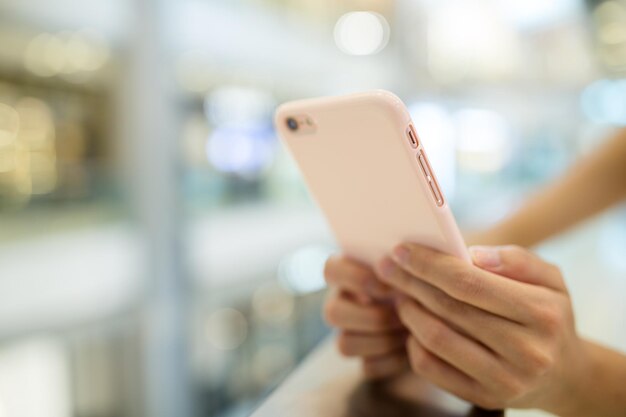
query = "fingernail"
{"x": 401, "y": 254}
{"x": 486, "y": 256}
{"x": 387, "y": 268}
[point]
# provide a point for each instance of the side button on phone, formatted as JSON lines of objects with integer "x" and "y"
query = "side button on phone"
{"x": 436, "y": 194}
{"x": 432, "y": 184}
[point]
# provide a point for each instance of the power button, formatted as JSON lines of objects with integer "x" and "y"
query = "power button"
{"x": 432, "y": 183}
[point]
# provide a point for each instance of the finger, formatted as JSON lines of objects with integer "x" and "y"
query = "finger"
{"x": 480, "y": 288}
{"x": 438, "y": 338}
{"x": 386, "y": 365}
{"x": 491, "y": 330}
{"x": 440, "y": 373}
{"x": 344, "y": 273}
{"x": 366, "y": 345}
{"x": 342, "y": 312}
{"x": 358, "y": 298}
{"x": 519, "y": 264}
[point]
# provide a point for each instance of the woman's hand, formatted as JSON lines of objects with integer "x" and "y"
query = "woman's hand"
{"x": 499, "y": 333}
{"x": 360, "y": 306}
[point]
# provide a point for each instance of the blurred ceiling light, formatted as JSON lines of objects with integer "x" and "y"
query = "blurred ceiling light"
{"x": 243, "y": 141}
{"x": 9, "y": 124}
{"x": 534, "y": 14}
{"x": 66, "y": 53}
{"x": 242, "y": 151}
{"x": 35, "y": 378}
{"x": 239, "y": 107}
{"x": 467, "y": 39}
{"x": 36, "y": 123}
{"x": 303, "y": 271}
{"x": 612, "y": 33}
{"x": 484, "y": 140}
{"x": 604, "y": 102}
{"x": 361, "y": 33}
{"x": 7, "y": 159}
{"x": 35, "y": 170}
{"x": 85, "y": 51}
{"x": 54, "y": 54}
{"x": 609, "y": 11}
{"x": 226, "y": 329}
{"x": 34, "y": 55}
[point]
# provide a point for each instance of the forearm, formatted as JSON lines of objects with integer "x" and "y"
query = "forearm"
{"x": 590, "y": 186}
{"x": 601, "y": 389}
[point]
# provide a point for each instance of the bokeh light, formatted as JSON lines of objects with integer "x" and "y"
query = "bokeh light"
{"x": 604, "y": 101}
{"x": 361, "y": 33}
{"x": 226, "y": 329}
{"x": 9, "y": 125}
{"x": 66, "y": 53}
{"x": 272, "y": 303}
{"x": 303, "y": 270}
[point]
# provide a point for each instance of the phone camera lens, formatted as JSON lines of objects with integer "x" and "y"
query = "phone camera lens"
{"x": 292, "y": 124}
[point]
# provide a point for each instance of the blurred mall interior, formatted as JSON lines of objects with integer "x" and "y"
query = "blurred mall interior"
{"x": 159, "y": 253}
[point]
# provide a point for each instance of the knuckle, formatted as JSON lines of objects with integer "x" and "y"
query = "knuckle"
{"x": 511, "y": 387}
{"x": 345, "y": 345}
{"x": 538, "y": 361}
{"x": 332, "y": 312}
{"x": 375, "y": 369}
{"x": 468, "y": 283}
{"x": 517, "y": 252}
{"x": 519, "y": 256}
{"x": 448, "y": 304}
{"x": 338, "y": 270}
{"x": 549, "y": 317}
{"x": 419, "y": 361}
{"x": 378, "y": 318}
{"x": 435, "y": 336}
{"x": 420, "y": 262}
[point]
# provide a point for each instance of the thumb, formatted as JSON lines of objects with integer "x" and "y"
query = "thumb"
{"x": 517, "y": 263}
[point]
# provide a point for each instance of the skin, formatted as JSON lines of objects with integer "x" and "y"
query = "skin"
{"x": 595, "y": 183}
{"x": 492, "y": 341}
{"x": 498, "y": 343}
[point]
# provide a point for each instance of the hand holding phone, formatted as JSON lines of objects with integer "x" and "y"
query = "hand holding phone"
{"x": 367, "y": 169}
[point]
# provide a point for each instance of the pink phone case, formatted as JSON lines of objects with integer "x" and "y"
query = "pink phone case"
{"x": 371, "y": 179}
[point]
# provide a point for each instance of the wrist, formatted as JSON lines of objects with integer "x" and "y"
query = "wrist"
{"x": 488, "y": 237}
{"x": 574, "y": 399}
{"x": 595, "y": 386}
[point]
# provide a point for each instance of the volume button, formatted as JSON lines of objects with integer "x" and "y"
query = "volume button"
{"x": 436, "y": 193}
{"x": 432, "y": 184}
{"x": 424, "y": 166}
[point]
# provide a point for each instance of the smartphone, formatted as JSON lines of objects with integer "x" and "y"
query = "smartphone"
{"x": 365, "y": 165}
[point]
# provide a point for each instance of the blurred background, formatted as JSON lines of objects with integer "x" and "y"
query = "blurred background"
{"x": 159, "y": 254}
